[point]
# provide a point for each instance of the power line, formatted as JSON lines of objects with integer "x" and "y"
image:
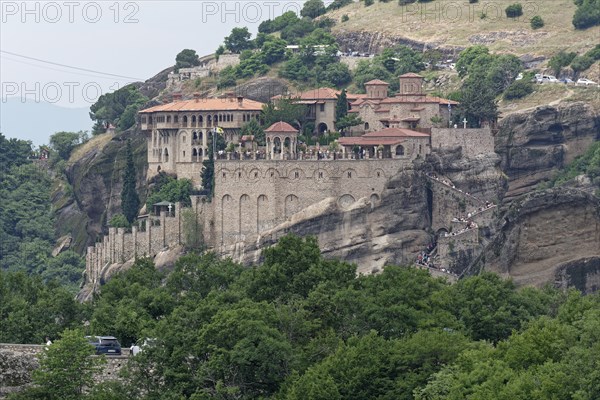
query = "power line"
{"x": 60, "y": 70}
{"x": 69, "y": 66}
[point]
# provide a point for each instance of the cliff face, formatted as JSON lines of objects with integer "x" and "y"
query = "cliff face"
{"x": 550, "y": 236}
{"x": 376, "y": 42}
{"x": 93, "y": 193}
{"x": 533, "y": 145}
{"x": 392, "y": 231}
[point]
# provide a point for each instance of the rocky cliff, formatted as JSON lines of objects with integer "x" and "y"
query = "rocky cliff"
{"x": 550, "y": 236}
{"x": 91, "y": 194}
{"x": 534, "y": 145}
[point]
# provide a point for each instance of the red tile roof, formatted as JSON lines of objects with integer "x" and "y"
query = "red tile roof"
{"x": 410, "y": 75}
{"x": 281, "y": 127}
{"x": 323, "y": 93}
{"x": 362, "y": 141}
{"x": 395, "y": 132}
{"x": 212, "y": 104}
{"x": 376, "y": 82}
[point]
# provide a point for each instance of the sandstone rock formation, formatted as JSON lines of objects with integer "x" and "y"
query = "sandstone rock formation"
{"x": 94, "y": 194}
{"x": 550, "y": 236}
{"x": 533, "y": 145}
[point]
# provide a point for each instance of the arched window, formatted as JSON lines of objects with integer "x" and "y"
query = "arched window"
{"x": 185, "y": 120}
{"x": 195, "y": 136}
{"x": 193, "y": 120}
{"x": 200, "y": 120}
{"x": 399, "y": 150}
{"x": 366, "y": 126}
{"x": 183, "y": 139}
{"x": 166, "y": 155}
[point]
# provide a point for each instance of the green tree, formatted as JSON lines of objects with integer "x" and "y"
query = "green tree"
{"x": 208, "y": 173}
{"x": 467, "y": 56}
{"x": 13, "y": 152}
{"x": 560, "y": 60}
{"x": 341, "y": 105}
{"x": 286, "y": 110}
{"x": 186, "y": 58}
{"x": 581, "y": 63}
{"x": 587, "y": 14}
{"x": 111, "y": 107}
{"x": 119, "y": 221}
{"x": 238, "y": 40}
{"x": 348, "y": 121}
{"x": 514, "y": 10}
{"x": 64, "y": 142}
{"x": 130, "y": 202}
{"x": 313, "y": 8}
{"x": 518, "y": 89}
{"x": 253, "y": 128}
{"x": 66, "y": 368}
{"x": 537, "y": 22}
{"x": 273, "y": 50}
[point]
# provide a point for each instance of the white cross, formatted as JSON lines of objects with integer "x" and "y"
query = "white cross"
{"x": 465, "y": 123}
{"x": 170, "y": 206}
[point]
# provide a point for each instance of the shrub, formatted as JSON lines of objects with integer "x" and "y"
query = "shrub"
{"x": 594, "y": 53}
{"x": 345, "y": 18}
{"x": 581, "y": 63}
{"x": 537, "y": 22}
{"x": 518, "y": 89}
{"x": 587, "y": 14}
{"x": 514, "y": 10}
{"x": 119, "y": 221}
{"x": 369, "y": 3}
{"x": 473, "y": 1}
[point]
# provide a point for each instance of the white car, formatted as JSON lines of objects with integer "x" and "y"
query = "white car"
{"x": 549, "y": 79}
{"x": 586, "y": 82}
{"x": 519, "y": 77}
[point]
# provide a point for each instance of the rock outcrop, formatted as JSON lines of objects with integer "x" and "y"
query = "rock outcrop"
{"x": 550, "y": 236}
{"x": 534, "y": 145}
{"x": 94, "y": 183}
{"x": 376, "y": 42}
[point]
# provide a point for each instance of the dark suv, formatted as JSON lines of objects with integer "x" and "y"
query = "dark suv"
{"x": 108, "y": 345}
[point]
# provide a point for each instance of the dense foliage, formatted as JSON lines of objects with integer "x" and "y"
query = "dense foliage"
{"x": 302, "y": 327}
{"x": 587, "y": 14}
{"x": 167, "y": 188}
{"x": 130, "y": 201}
{"x": 118, "y": 109}
{"x": 186, "y": 58}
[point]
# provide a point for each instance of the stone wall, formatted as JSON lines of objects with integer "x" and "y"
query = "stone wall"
{"x": 472, "y": 141}
{"x": 449, "y": 203}
{"x": 252, "y": 197}
{"x": 18, "y": 361}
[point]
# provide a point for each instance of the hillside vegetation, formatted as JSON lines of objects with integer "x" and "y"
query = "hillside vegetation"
{"x": 462, "y": 24}
{"x": 302, "y": 327}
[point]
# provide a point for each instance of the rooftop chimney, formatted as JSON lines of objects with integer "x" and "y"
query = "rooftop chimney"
{"x": 240, "y": 100}
{"x": 176, "y": 96}
{"x": 196, "y": 97}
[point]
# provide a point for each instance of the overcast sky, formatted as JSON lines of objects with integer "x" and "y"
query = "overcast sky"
{"x": 133, "y": 39}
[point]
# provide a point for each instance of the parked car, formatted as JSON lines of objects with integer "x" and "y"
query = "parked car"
{"x": 140, "y": 345}
{"x": 585, "y": 82}
{"x": 549, "y": 79}
{"x": 567, "y": 81}
{"x": 108, "y": 345}
{"x": 519, "y": 77}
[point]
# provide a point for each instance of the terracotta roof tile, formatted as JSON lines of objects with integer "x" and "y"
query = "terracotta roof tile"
{"x": 395, "y": 132}
{"x": 376, "y": 82}
{"x": 410, "y": 75}
{"x": 281, "y": 127}
{"x": 212, "y": 104}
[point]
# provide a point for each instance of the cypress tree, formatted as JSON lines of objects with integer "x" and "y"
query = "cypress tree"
{"x": 341, "y": 107}
{"x": 130, "y": 202}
